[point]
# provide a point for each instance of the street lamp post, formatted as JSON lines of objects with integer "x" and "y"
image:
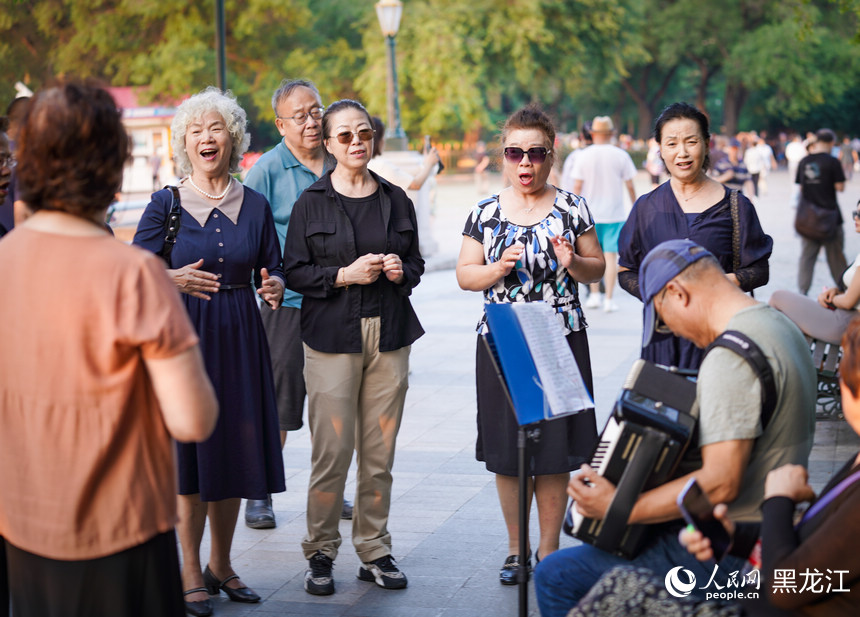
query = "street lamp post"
{"x": 220, "y": 41}
{"x": 389, "y": 13}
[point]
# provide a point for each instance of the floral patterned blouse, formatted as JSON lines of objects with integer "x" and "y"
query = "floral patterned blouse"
{"x": 537, "y": 275}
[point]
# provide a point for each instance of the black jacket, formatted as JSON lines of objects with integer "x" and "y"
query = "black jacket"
{"x": 321, "y": 240}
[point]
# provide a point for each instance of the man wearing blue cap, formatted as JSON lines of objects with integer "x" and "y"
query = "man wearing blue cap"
{"x": 685, "y": 291}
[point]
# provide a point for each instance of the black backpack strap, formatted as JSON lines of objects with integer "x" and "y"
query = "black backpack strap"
{"x": 171, "y": 224}
{"x": 742, "y": 345}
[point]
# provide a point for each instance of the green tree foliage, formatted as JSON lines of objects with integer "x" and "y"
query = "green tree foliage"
{"x": 462, "y": 66}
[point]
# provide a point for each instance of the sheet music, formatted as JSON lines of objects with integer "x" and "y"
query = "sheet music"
{"x": 561, "y": 380}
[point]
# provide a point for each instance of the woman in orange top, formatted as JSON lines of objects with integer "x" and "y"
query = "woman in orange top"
{"x": 98, "y": 374}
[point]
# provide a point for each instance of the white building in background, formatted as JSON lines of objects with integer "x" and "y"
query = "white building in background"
{"x": 151, "y": 164}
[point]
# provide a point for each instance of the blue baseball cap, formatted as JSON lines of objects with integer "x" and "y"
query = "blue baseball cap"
{"x": 663, "y": 263}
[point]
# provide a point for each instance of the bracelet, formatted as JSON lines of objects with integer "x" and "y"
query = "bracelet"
{"x": 343, "y": 278}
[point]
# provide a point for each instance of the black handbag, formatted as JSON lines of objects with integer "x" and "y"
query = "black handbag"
{"x": 814, "y": 222}
{"x": 171, "y": 225}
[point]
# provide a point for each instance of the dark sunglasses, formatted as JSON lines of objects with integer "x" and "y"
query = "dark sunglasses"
{"x": 856, "y": 214}
{"x": 346, "y": 136}
{"x": 536, "y": 155}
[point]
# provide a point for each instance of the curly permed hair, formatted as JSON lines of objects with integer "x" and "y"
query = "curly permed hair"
{"x": 194, "y": 108}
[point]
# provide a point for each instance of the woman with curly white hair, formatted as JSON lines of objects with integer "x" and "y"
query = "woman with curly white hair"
{"x": 218, "y": 238}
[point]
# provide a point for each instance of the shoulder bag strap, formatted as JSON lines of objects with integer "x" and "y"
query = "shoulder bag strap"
{"x": 742, "y": 345}
{"x": 736, "y": 231}
{"x": 171, "y": 224}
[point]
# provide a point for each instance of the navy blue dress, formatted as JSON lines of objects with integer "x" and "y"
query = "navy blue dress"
{"x": 657, "y": 217}
{"x": 242, "y": 457}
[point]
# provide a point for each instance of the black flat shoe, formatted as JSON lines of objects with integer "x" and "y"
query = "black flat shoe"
{"x": 202, "y": 608}
{"x": 242, "y": 594}
{"x": 508, "y": 573}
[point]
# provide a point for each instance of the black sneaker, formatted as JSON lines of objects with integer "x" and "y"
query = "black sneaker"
{"x": 384, "y": 572}
{"x": 346, "y": 511}
{"x": 318, "y": 580}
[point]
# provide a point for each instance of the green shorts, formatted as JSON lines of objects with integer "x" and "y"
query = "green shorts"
{"x": 607, "y": 235}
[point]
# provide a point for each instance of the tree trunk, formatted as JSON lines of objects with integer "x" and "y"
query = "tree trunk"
{"x": 736, "y": 96}
{"x": 645, "y": 119}
{"x": 646, "y": 100}
{"x": 705, "y": 75}
{"x": 644, "y": 112}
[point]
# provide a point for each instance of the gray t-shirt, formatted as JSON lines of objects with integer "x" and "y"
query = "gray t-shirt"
{"x": 729, "y": 395}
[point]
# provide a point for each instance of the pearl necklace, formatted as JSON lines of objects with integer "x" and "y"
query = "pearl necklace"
{"x": 209, "y": 195}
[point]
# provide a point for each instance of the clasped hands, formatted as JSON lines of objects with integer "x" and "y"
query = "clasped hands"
{"x": 825, "y": 298}
{"x": 564, "y": 254}
{"x": 367, "y": 268}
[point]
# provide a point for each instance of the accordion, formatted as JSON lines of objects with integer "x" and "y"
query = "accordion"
{"x": 650, "y": 427}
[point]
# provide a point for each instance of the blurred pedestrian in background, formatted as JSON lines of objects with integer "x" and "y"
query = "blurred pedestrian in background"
{"x": 848, "y": 157}
{"x": 393, "y": 173}
{"x": 820, "y": 177}
{"x": 580, "y": 143}
{"x": 654, "y": 163}
{"x": 600, "y": 174}
{"x": 732, "y": 171}
{"x": 482, "y": 163}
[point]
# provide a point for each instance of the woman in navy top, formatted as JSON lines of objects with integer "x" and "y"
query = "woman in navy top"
{"x": 226, "y": 242}
{"x": 693, "y": 206}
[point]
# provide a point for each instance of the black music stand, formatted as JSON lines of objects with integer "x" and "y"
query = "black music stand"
{"x": 527, "y": 394}
{"x": 525, "y": 434}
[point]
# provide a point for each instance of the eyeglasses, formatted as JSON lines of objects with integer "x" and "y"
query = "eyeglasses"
{"x": 345, "y": 137}
{"x": 7, "y": 160}
{"x": 660, "y": 326}
{"x": 536, "y": 155}
{"x": 856, "y": 214}
{"x": 300, "y": 118}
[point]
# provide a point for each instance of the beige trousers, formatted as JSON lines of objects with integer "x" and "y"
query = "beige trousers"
{"x": 355, "y": 402}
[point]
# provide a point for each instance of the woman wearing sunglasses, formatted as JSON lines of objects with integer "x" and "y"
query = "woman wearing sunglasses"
{"x": 827, "y": 317}
{"x": 531, "y": 242}
{"x": 352, "y": 252}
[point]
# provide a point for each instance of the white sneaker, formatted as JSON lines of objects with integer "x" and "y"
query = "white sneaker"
{"x": 594, "y": 300}
{"x": 609, "y": 306}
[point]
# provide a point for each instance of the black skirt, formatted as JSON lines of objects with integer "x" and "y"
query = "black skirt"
{"x": 565, "y": 443}
{"x": 142, "y": 581}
